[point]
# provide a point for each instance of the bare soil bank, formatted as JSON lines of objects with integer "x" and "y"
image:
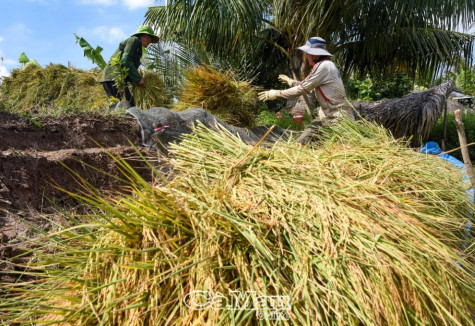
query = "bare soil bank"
{"x": 35, "y": 155}
{"x": 35, "y": 158}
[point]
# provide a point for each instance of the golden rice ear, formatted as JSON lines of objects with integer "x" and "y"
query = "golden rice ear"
{"x": 155, "y": 94}
{"x": 220, "y": 93}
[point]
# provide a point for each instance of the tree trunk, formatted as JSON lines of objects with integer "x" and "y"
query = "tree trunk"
{"x": 463, "y": 145}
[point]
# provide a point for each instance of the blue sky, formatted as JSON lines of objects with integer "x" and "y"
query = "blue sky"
{"x": 44, "y": 29}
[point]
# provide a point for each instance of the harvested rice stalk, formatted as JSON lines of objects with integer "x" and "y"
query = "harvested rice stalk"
{"x": 360, "y": 230}
{"x": 52, "y": 90}
{"x": 154, "y": 94}
{"x": 220, "y": 93}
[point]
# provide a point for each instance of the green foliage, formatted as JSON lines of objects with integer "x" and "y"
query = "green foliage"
{"x": 52, "y": 90}
{"x": 119, "y": 73}
{"x": 23, "y": 59}
{"x": 92, "y": 54}
{"x": 418, "y": 36}
{"x": 362, "y": 90}
{"x": 395, "y": 85}
{"x": 452, "y": 140}
{"x": 266, "y": 118}
{"x": 466, "y": 80}
{"x": 372, "y": 89}
{"x": 25, "y": 62}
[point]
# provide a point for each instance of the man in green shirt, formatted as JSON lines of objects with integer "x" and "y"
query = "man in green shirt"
{"x": 130, "y": 54}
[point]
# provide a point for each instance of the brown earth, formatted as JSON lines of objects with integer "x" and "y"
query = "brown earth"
{"x": 35, "y": 158}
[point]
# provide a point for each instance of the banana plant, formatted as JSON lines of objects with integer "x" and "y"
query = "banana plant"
{"x": 23, "y": 59}
{"x": 92, "y": 54}
{"x": 25, "y": 62}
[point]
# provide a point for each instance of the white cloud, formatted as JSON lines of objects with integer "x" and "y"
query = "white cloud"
{"x": 6, "y": 65}
{"x": 134, "y": 4}
{"x": 19, "y": 30}
{"x": 5, "y": 61}
{"x": 1, "y": 39}
{"x": 116, "y": 33}
{"x": 111, "y": 35}
{"x": 10, "y": 62}
{"x": 3, "y": 71}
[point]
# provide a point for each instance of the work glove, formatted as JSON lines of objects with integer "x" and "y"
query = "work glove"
{"x": 286, "y": 80}
{"x": 268, "y": 95}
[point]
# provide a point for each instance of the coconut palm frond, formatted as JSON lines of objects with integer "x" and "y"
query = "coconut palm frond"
{"x": 421, "y": 50}
{"x": 222, "y": 26}
{"x": 168, "y": 60}
{"x": 365, "y": 36}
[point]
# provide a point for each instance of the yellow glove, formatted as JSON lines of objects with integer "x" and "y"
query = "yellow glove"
{"x": 268, "y": 95}
{"x": 286, "y": 80}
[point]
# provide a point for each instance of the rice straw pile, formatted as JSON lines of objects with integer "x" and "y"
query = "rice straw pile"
{"x": 53, "y": 89}
{"x": 220, "y": 93}
{"x": 358, "y": 230}
{"x": 155, "y": 94}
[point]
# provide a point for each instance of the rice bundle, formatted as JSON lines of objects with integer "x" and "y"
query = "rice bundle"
{"x": 357, "y": 231}
{"x": 52, "y": 89}
{"x": 220, "y": 93}
{"x": 155, "y": 94}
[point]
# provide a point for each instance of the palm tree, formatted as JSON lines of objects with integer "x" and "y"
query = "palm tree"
{"x": 416, "y": 36}
{"x": 366, "y": 36}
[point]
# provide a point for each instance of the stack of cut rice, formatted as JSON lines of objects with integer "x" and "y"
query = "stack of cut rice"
{"x": 356, "y": 230}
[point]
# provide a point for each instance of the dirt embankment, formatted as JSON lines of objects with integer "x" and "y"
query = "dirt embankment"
{"x": 34, "y": 155}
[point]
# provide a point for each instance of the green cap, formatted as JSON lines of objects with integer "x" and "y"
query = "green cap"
{"x": 145, "y": 29}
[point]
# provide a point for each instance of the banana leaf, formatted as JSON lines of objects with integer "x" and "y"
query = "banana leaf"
{"x": 92, "y": 54}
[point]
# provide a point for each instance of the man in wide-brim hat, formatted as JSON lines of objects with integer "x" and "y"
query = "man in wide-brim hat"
{"x": 324, "y": 82}
{"x": 130, "y": 54}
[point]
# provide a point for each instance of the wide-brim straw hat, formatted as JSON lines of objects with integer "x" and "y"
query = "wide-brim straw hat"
{"x": 315, "y": 46}
{"x": 145, "y": 29}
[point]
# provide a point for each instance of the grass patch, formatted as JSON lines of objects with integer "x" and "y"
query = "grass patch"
{"x": 285, "y": 120}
